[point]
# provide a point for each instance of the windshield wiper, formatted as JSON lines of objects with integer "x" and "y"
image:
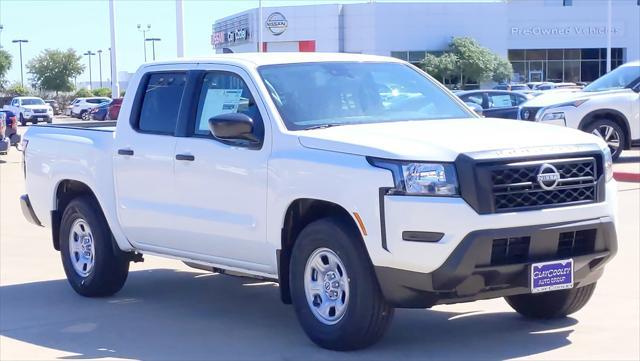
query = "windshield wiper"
{"x": 322, "y": 126}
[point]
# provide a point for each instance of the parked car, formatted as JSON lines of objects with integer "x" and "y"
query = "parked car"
{"x": 297, "y": 169}
{"x": 4, "y": 142}
{"x": 549, "y": 86}
{"x": 83, "y": 105}
{"x": 54, "y": 105}
{"x": 609, "y": 107}
{"x": 495, "y": 103}
{"x": 511, "y": 87}
{"x": 68, "y": 108}
{"x": 11, "y": 130}
{"x": 99, "y": 112}
{"x": 114, "y": 109}
{"x": 534, "y": 84}
{"x": 30, "y": 109}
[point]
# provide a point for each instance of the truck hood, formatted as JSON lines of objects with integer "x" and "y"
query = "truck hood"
{"x": 556, "y": 98}
{"x": 441, "y": 140}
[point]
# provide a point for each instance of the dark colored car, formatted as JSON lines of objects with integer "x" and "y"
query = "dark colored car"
{"x": 12, "y": 127}
{"x": 55, "y": 106}
{"x": 100, "y": 112}
{"x": 495, "y": 103}
{"x": 114, "y": 108}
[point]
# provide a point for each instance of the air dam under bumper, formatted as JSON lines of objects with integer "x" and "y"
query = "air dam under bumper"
{"x": 481, "y": 268}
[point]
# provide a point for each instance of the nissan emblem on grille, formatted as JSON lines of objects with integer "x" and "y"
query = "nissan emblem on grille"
{"x": 548, "y": 176}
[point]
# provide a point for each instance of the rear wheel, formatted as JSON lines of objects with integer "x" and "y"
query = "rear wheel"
{"x": 611, "y": 133}
{"x": 93, "y": 264}
{"x": 554, "y": 304}
{"x": 334, "y": 289}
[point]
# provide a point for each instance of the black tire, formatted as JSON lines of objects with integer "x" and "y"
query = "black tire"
{"x": 598, "y": 127}
{"x": 23, "y": 121}
{"x": 367, "y": 314}
{"x": 110, "y": 267}
{"x": 550, "y": 305}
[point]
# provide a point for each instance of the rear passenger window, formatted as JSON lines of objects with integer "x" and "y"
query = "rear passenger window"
{"x": 161, "y": 103}
{"x": 222, "y": 93}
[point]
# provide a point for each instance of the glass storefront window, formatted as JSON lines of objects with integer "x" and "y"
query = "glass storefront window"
{"x": 416, "y": 56}
{"x": 555, "y": 71}
{"x": 400, "y": 55}
{"x": 563, "y": 65}
{"x": 572, "y": 71}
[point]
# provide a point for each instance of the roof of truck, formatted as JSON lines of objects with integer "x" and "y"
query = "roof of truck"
{"x": 258, "y": 59}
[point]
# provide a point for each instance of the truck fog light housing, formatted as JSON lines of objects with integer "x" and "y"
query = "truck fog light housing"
{"x": 553, "y": 116}
{"x": 421, "y": 179}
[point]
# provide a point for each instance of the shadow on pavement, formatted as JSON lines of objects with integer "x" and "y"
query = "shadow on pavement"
{"x": 167, "y": 314}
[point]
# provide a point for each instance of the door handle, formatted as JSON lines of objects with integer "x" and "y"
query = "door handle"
{"x": 187, "y": 157}
{"x": 125, "y": 151}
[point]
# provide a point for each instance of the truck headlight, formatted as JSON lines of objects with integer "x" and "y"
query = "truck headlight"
{"x": 553, "y": 116}
{"x": 420, "y": 179}
{"x": 608, "y": 163}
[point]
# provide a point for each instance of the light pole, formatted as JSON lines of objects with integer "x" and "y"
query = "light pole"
{"x": 1, "y": 28}
{"x": 144, "y": 38}
{"x": 100, "y": 65}
{"x": 153, "y": 45}
{"x": 20, "y": 41}
{"x": 89, "y": 53}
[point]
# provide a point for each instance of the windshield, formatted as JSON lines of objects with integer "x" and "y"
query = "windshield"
{"x": 32, "y": 101}
{"x": 619, "y": 78}
{"x": 311, "y": 95}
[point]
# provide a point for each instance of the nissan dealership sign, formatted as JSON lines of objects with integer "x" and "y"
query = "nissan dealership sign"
{"x": 276, "y": 23}
{"x": 579, "y": 30}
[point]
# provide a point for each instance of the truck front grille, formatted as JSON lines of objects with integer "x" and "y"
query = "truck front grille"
{"x": 39, "y": 111}
{"x": 523, "y": 185}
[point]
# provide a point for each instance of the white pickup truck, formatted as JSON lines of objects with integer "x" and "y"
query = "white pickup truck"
{"x": 356, "y": 182}
{"x": 609, "y": 108}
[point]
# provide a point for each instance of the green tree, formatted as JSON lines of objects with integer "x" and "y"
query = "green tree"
{"x": 475, "y": 62}
{"x": 5, "y": 65}
{"x": 440, "y": 67}
{"x": 17, "y": 90}
{"x": 53, "y": 70}
{"x": 102, "y": 92}
{"x": 502, "y": 71}
{"x": 84, "y": 93}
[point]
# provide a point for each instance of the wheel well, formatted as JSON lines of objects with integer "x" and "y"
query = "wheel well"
{"x": 610, "y": 114}
{"x": 67, "y": 191}
{"x": 300, "y": 213}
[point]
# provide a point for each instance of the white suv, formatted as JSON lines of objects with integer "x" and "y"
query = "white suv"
{"x": 609, "y": 107}
{"x": 83, "y": 105}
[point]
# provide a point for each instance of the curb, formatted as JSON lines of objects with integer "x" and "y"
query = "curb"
{"x": 626, "y": 177}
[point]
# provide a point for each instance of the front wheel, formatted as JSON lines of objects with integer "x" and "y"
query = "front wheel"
{"x": 23, "y": 121}
{"x": 554, "y": 304}
{"x": 93, "y": 265}
{"x": 334, "y": 289}
{"x": 611, "y": 133}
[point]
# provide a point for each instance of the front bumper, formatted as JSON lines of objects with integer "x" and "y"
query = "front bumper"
{"x": 471, "y": 272}
{"x": 38, "y": 116}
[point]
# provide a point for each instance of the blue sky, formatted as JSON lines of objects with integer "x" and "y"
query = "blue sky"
{"x": 84, "y": 25}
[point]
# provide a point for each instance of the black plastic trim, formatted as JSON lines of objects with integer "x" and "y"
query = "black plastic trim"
{"x": 419, "y": 236}
{"x": 468, "y": 274}
{"x": 27, "y": 210}
{"x": 382, "y": 192}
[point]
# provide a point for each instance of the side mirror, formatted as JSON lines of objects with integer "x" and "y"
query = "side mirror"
{"x": 475, "y": 107}
{"x": 233, "y": 126}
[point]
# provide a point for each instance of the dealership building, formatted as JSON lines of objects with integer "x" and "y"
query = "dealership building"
{"x": 545, "y": 40}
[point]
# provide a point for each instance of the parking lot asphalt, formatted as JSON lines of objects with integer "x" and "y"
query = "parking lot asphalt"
{"x": 168, "y": 311}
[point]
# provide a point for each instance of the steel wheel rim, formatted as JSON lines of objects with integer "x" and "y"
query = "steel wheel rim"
{"x": 609, "y": 135}
{"x": 81, "y": 247}
{"x": 326, "y": 286}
